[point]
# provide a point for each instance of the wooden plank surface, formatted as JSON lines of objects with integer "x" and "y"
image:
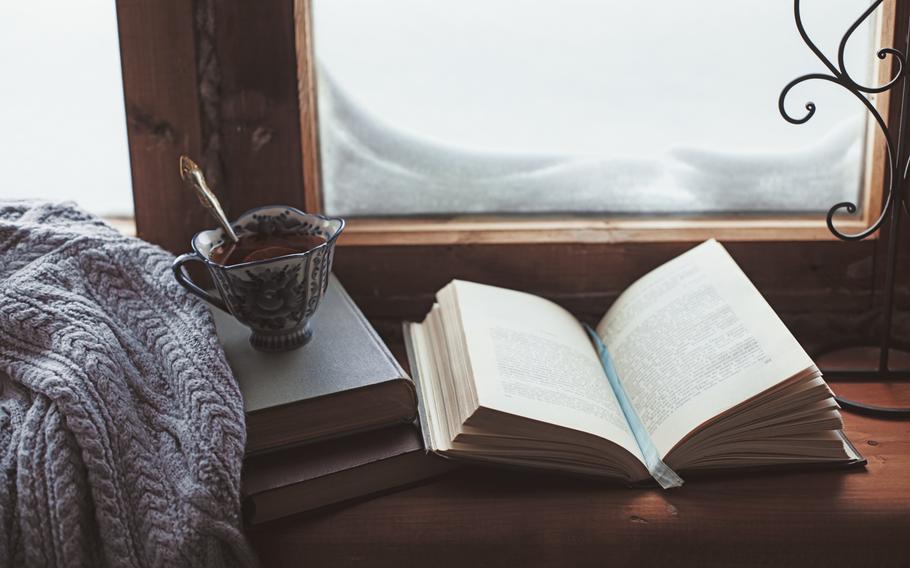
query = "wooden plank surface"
{"x": 837, "y": 274}
{"x": 158, "y": 61}
{"x": 488, "y": 517}
{"x": 821, "y": 289}
{"x": 257, "y": 98}
{"x": 218, "y": 81}
{"x": 307, "y": 100}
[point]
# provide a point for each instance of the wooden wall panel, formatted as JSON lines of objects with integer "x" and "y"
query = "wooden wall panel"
{"x": 828, "y": 275}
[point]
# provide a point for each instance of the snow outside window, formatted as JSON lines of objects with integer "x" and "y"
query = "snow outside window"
{"x": 584, "y": 106}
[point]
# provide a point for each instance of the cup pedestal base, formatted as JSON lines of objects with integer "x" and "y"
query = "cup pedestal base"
{"x": 274, "y": 342}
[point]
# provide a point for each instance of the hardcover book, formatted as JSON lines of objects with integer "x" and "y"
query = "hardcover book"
{"x": 344, "y": 380}
{"x": 314, "y": 476}
{"x": 690, "y": 370}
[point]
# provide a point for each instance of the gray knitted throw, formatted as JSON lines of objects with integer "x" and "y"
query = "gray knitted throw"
{"x": 121, "y": 426}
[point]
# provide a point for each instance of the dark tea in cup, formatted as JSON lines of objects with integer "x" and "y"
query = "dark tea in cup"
{"x": 255, "y": 247}
{"x": 273, "y": 278}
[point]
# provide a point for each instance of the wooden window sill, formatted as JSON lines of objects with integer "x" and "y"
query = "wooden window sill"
{"x": 508, "y": 518}
{"x": 568, "y": 230}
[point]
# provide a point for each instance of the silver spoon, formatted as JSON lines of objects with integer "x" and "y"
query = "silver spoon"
{"x": 192, "y": 174}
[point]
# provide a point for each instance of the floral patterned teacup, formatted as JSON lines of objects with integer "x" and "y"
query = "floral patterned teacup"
{"x": 276, "y": 297}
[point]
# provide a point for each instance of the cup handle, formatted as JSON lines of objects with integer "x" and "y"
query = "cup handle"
{"x": 185, "y": 281}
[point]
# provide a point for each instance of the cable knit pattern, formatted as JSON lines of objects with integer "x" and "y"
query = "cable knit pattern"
{"x": 121, "y": 426}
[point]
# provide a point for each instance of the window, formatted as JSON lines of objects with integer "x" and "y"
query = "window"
{"x": 584, "y": 107}
{"x": 254, "y": 63}
{"x": 62, "y": 111}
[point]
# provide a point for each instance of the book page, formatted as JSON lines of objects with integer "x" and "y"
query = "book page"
{"x": 693, "y": 339}
{"x": 532, "y": 358}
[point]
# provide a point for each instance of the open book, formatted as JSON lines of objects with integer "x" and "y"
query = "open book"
{"x": 689, "y": 370}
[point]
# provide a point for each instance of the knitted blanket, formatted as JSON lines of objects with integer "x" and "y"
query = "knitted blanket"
{"x": 121, "y": 426}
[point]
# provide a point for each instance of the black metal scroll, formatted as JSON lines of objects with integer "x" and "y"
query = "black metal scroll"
{"x": 897, "y": 175}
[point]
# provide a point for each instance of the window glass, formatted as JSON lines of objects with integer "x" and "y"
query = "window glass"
{"x": 62, "y": 116}
{"x": 584, "y": 106}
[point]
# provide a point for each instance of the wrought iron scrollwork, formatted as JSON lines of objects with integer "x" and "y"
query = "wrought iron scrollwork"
{"x": 840, "y": 76}
{"x": 897, "y": 172}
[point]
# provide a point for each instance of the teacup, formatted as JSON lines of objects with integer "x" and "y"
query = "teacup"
{"x": 275, "y": 297}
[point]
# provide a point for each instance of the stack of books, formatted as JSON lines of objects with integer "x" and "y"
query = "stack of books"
{"x": 327, "y": 423}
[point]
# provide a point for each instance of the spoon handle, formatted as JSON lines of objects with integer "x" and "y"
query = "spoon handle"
{"x": 192, "y": 174}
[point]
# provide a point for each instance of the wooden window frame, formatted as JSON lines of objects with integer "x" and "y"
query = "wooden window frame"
{"x": 229, "y": 82}
{"x": 477, "y": 229}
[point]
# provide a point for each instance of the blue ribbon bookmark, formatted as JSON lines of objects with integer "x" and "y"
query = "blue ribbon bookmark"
{"x": 660, "y": 471}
